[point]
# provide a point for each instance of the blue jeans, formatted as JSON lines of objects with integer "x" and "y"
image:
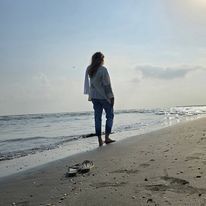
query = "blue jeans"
{"x": 99, "y": 105}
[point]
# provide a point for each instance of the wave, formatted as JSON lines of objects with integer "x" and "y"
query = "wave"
{"x": 135, "y": 111}
{"x": 39, "y": 138}
{"x": 22, "y": 139}
{"x": 197, "y": 109}
{"x": 52, "y": 143}
{"x": 182, "y": 111}
{"x": 23, "y": 153}
{"x": 43, "y": 116}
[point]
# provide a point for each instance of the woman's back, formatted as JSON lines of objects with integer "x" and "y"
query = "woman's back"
{"x": 99, "y": 84}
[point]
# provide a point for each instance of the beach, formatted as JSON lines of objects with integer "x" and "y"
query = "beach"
{"x": 164, "y": 167}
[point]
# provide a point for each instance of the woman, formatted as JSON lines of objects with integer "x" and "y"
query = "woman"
{"x": 98, "y": 86}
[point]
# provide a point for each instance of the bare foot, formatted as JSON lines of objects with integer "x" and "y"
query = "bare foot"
{"x": 100, "y": 141}
{"x": 108, "y": 141}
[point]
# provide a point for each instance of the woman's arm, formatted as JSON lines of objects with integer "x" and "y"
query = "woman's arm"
{"x": 107, "y": 86}
{"x": 86, "y": 82}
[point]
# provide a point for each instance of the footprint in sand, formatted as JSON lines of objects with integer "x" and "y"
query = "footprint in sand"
{"x": 144, "y": 165}
{"x": 191, "y": 158}
{"x": 108, "y": 184}
{"x": 194, "y": 156}
{"x": 176, "y": 185}
{"x": 174, "y": 180}
{"x": 127, "y": 171}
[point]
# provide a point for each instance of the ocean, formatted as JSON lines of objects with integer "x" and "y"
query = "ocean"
{"x": 31, "y": 140}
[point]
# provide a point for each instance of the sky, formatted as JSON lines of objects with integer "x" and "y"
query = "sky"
{"x": 154, "y": 52}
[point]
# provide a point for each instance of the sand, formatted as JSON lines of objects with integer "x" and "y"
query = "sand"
{"x": 165, "y": 167}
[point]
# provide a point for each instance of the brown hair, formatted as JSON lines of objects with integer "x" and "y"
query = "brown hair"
{"x": 97, "y": 61}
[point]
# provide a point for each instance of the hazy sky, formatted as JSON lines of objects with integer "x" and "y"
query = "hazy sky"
{"x": 155, "y": 51}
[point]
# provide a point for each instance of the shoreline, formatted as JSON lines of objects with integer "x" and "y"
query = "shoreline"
{"x": 32, "y": 161}
{"x": 164, "y": 167}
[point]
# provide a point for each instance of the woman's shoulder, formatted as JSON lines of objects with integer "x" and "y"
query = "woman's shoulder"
{"x": 103, "y": 68}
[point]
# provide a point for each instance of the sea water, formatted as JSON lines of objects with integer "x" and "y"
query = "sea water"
{"x": 30, "y": 140}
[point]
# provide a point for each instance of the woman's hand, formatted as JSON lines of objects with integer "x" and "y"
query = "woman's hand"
{"x": 112, "y": 101}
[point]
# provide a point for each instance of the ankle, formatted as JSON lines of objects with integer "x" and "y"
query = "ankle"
{"x": 106, "y": 136}
{"x": 100, "y": 141}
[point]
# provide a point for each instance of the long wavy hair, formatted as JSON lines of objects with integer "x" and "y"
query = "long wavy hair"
{"x": 97, "y": 61}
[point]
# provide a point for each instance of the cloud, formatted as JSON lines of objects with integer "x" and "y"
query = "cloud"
{"x": 164, "y": 73}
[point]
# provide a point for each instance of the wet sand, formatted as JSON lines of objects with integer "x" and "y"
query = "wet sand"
{"x": 165, "y": 167}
